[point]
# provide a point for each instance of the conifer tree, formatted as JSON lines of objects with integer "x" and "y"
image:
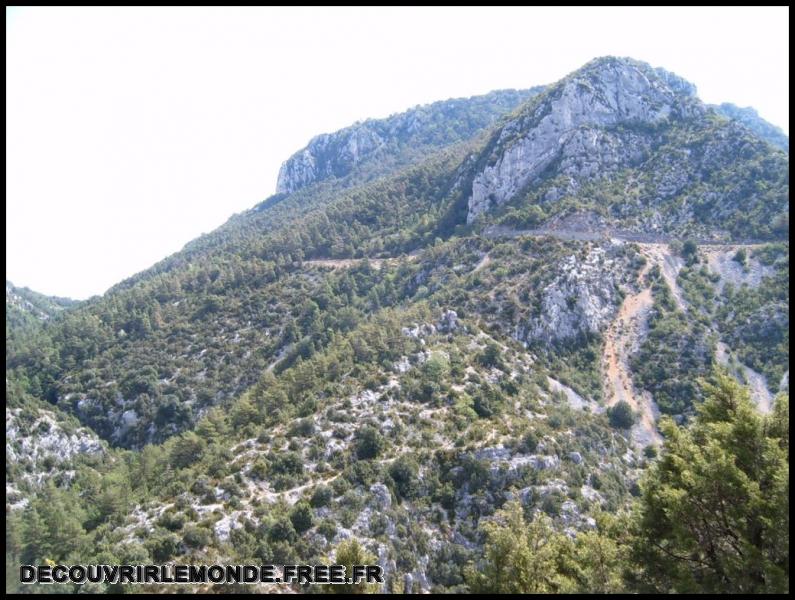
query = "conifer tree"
{"x": 714, "y": 513}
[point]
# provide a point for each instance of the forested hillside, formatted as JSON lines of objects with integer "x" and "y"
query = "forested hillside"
{"x": 532, "y": 341}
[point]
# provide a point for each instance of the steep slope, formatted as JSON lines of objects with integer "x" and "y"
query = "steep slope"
{"x": 24, "y": 303}
{"x": 196, "y": 330}
{"x": 28, "y": 313}
{"x": 635, "y": 145}
{"x": 353, "y": 360}
{"x": 621, "y": 340}
{"x": 40, "y": 446}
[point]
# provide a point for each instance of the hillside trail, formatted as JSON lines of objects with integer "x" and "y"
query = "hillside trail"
{"x": 484, "y": 262}
{"x": 342, "y": 263}
{"x": 290, "y": 496}
{"x": 621, "y": 338}
{"x": 279, "y": 357}
{"x": 345, "y": 263}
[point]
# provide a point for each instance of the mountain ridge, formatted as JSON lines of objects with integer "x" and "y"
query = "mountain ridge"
{"x": 264, "y": 246}
{"x": 336, "y": 155}
{"x": 576, "y": 133}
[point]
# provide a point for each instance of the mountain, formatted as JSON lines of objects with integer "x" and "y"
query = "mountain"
{"x": 635, "y": 145}
{"x": 512, "y": 315}
{"x": 751, "y": 119}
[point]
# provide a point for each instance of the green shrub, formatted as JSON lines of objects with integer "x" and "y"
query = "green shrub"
{"x": 321, "y": 496}
{"x": 404, "y": 473}
{"x": 369, "y": 442}
{"x": 328, "y": 529}
{"x": 301, "y": 517}
{"x": 740, "y": 256}
{"x": 196, "y": 537}
{"x": 286, "y": 463}
{"x": 282, "y": 530}
{"x": 621, "y": 415}
{"x": 162, "y": 547}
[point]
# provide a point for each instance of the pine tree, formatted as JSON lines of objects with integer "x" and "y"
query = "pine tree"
{"x": 714, "y": 513}
{"x": 520, "y": 558}
{"x": 599, "y": 556}
{"x": 350, "y": 552}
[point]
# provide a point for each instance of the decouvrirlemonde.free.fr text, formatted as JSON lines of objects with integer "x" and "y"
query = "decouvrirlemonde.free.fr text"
{"x": 187, "y": 574}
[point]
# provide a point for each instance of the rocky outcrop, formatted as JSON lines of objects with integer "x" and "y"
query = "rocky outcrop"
{"x": 501, "y": 456}
{"x": 46, "y": 437}
{"x": 330, "y": 155}
{"x": 40, "y": 447}
{"x": 419, "y": 331}
{"x": 448, "y": 322}
{"x": 570, "y": 123}
{"x": 395, "y": 140}
{"x": 382, "y": 498}
{"x": 582, "y": 299}
{"x": 638, "y": 144}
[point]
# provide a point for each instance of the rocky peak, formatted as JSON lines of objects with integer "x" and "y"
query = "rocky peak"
{"x": 328, "y": 155}
{"x": 577, "y": 115}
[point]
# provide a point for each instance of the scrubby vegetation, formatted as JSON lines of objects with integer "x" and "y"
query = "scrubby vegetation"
{"x": 708, "y": 518}
{"x": 675, "y": 352}
{"x": 351, "y": 372}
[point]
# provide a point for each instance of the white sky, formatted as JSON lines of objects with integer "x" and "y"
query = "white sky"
{"x": 130, "y": 131}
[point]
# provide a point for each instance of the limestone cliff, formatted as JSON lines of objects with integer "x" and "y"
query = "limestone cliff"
{"x": 396, "y": 140}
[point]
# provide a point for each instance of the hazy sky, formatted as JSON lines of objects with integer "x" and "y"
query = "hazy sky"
{"x": 130, "y": 131}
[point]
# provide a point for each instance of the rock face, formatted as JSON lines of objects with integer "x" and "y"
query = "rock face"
{"x": 45, "y": 437}
{"x": 582, "y": 299}
{"x": 395, "y": 138}
{"x": 333, "y": 155}
{"x": 569, "y": 123}
{"x": 40, "y": 446}
{"x": 638, "y": 144}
